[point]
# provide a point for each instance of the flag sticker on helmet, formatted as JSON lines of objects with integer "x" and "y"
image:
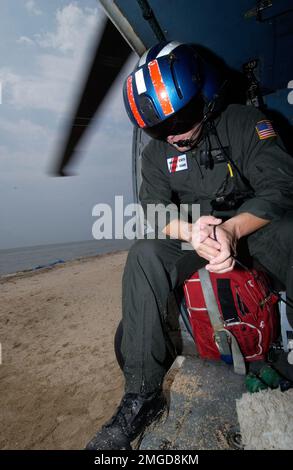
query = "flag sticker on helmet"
{"x": 160, "y": 88}
{"x": 265, "y": 129}
{"x": 132, "y": 103}
{"x": 139, "y": 81}
{"x": 177, "y": 163}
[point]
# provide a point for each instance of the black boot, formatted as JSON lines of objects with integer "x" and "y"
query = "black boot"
{"x": 134, "y": 413}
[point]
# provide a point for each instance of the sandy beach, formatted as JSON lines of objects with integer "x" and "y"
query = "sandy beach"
{"x": 59, "y": 379}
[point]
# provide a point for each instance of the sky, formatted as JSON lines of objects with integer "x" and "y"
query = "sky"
{"x": 45, "y": 51}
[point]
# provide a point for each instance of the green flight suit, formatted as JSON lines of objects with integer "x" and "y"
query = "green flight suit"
{"x": 259, "y": 175}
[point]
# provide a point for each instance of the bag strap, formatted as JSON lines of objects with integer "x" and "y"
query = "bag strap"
{"x": 222, "y": 336}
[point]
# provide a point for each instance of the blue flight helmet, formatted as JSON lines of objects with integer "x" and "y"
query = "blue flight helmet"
{"x": 170, "y": 90}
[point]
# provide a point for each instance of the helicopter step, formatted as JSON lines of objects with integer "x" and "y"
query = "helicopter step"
{"x": 202, "y": 408}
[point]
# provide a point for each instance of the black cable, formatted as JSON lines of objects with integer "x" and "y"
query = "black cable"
{"x": 229, "y": 159}
{"x": 150, "y": 17}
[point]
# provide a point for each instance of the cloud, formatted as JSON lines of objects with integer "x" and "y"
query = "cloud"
{"x": 39, "y": 93}
{"x": 48, "y": 89}
{"x": 32, "y": 8}
{"x": 25, "y": 40}
{"x": 74, "y": 25}
{"x": 52, "y": 84}
{"x": 59, "y": 64}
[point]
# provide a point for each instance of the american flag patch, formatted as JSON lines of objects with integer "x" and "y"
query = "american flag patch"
{"x": 177, "y": 163}
{"x": 265, "y": 130}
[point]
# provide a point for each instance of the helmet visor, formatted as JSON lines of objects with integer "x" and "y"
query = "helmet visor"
{"x": 179, "y": 123}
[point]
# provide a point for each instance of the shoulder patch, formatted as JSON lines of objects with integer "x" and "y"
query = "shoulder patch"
{"x": 265, "y": 130}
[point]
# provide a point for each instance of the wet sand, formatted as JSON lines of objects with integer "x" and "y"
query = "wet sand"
{"x": 59, "y": 379}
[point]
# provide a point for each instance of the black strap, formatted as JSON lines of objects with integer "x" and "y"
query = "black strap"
{"x": 226, "y": 300}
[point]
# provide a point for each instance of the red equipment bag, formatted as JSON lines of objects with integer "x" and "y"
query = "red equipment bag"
{"x": 247, "y": 308}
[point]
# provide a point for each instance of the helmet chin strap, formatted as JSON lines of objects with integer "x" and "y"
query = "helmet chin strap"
{"x": 190, "y": 142}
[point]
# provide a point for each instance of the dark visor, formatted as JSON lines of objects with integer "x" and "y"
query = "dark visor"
{"x": 179, "y": 123}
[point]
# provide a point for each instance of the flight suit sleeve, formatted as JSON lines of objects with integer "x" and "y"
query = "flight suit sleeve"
{"x": 268, "y": 168}
{"x": 155, "y": 192}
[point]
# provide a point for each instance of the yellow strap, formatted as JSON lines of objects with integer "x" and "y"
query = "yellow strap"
{"x": 230, "y": 170}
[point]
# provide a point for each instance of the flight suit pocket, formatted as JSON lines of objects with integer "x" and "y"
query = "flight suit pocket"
{"x": 214, "y": 180}
{"x": 179, "y": 180}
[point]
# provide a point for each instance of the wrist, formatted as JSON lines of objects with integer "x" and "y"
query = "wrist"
{"x": 244, "y": 224}
{"x": 232, "y": 227}
{"x": 186, "y": 231}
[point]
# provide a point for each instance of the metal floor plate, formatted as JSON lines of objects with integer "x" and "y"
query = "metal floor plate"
{"x": 202, "y": 408}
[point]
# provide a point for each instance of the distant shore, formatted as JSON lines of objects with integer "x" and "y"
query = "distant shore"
{"x": 59, "y": 379}
{"x": 15, "y": 260}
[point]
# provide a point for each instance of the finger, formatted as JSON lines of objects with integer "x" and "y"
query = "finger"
{"x": 221, "y": 268}
{"x": 205, "y": 252}
{"x": 209, "y": 220}
{"x": 225, "y": 257}
{"x": 212, "y": 243}
{"x": 202, "y": 234}
{"x": 222, "y": 256}
{"x": 208, "y": 251}
{"x": 206, "y": 232}
{"x": 205, "y": 256}
{"x": 227, "y": 270}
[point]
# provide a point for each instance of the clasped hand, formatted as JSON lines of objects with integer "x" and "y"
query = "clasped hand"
{"x": 215, "y": 242}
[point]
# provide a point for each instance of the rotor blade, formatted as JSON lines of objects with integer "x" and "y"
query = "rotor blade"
{"x": 111, "y": 54}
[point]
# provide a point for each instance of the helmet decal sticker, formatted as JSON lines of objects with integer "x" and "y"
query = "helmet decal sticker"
{"x": 139, "y": 81}
{"x": 160, "y": 88}
{"x": 132, "y": 103}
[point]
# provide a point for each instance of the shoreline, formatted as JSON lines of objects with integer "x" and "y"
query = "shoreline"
{"x": 34, "y": 271}
{"x": 26, "y": 259}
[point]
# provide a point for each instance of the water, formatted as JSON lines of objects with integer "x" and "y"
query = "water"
{"x": 27, "y": 258}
